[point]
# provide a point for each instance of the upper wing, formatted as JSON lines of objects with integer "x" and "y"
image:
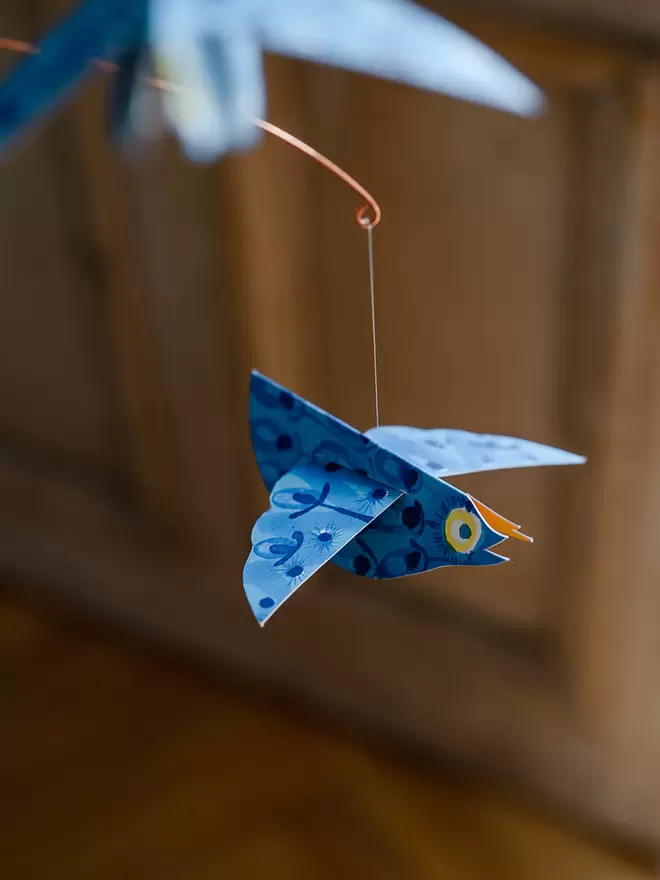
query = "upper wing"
{"x": 101, "y": 29}
{"x": 287, "y": 429}
{"x": 313, "y": 514}
{"x": 213, "y": 56}
{"x": 397, "y": 40}
{"x": 444, "y": 452}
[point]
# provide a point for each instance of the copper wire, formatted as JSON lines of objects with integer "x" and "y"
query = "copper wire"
{"x": 363, "y": 220}
{"x": 371, "y": 203}
{"x": 361, "y": 216}
{"x": 18, "y": 46}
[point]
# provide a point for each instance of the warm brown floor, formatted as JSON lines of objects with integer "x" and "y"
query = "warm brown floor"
{"x": 114, "y": 765}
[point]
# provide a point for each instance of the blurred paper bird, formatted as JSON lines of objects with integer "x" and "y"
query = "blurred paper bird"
{"x": 211, "y": 52}
{"x": 376, "y": 504}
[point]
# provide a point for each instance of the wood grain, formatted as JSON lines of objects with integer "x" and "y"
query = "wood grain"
{"x": 118, "y": 765}
{"x": 58, "y": 400}
{"x": 619, "y": 647}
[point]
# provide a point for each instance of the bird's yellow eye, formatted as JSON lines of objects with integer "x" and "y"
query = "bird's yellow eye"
{"x": 462, "y": 530}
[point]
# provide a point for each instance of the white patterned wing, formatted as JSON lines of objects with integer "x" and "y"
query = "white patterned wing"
{"x": 445, "y": 452}
{"x": 312, "y": 515}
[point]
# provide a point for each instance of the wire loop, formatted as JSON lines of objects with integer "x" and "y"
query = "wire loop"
{"x": 370, "y": 202}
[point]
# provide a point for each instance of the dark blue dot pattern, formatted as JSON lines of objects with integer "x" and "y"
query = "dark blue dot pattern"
{"x": 372, "y": 503}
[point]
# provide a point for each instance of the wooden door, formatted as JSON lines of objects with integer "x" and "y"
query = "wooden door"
{"x": 516, "y": 293}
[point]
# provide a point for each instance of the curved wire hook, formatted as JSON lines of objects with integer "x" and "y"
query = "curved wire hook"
{"x": 364, "y": 221}
{"x": 361, "y": 216}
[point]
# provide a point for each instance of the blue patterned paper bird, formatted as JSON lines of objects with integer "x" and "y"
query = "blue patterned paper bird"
{"x": 211, "y": 50}
{"x": 376, "y": 504}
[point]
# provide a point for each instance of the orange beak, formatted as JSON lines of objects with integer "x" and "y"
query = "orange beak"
{"x": 499, "y": 524}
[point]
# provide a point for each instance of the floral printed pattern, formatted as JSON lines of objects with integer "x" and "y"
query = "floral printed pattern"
{"x": 312, "y": 516}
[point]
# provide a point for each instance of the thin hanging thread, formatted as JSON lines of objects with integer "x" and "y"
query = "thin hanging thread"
{"x": 363, "y": 220}
{"x": 361, "y": 217}
{"x": 370, "y": 247}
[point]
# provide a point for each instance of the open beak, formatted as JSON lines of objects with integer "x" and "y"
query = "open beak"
{"x": 499, "y": 524}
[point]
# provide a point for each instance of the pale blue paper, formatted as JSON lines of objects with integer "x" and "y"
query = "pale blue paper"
{"x": 212, "y": 50}
{"x": 410, "y": 535}
{"x": 312, "y": 516}
{"x": 446, "y": 452}
{"x": 216, "y": 49}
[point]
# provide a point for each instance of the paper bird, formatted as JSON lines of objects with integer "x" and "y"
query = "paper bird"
{"x": 377, "y": 503}
{"x": 211, "y": 51}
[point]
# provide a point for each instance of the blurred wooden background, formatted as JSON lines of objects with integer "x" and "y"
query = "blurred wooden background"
{"x": 517, "y": 292}
{"x": 116, "y": 762}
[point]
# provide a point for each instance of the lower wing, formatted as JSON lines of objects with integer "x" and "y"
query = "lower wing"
{"x": 312, "y": 515}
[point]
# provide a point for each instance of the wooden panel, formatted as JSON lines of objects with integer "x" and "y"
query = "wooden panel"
{"x": 171, "y": 316}
{"x": 56, "y": 390}
{"x": 56, "y": 386}
{"x": 618, "y": 653}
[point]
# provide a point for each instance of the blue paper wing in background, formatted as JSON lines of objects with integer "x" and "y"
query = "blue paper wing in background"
{"x": 445, "y": 452}
{"x": 397, "y": 40}
{"x": 312, "y": 515}
{"x": 103, "y": 29}
{"x": 213, "y": 51}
